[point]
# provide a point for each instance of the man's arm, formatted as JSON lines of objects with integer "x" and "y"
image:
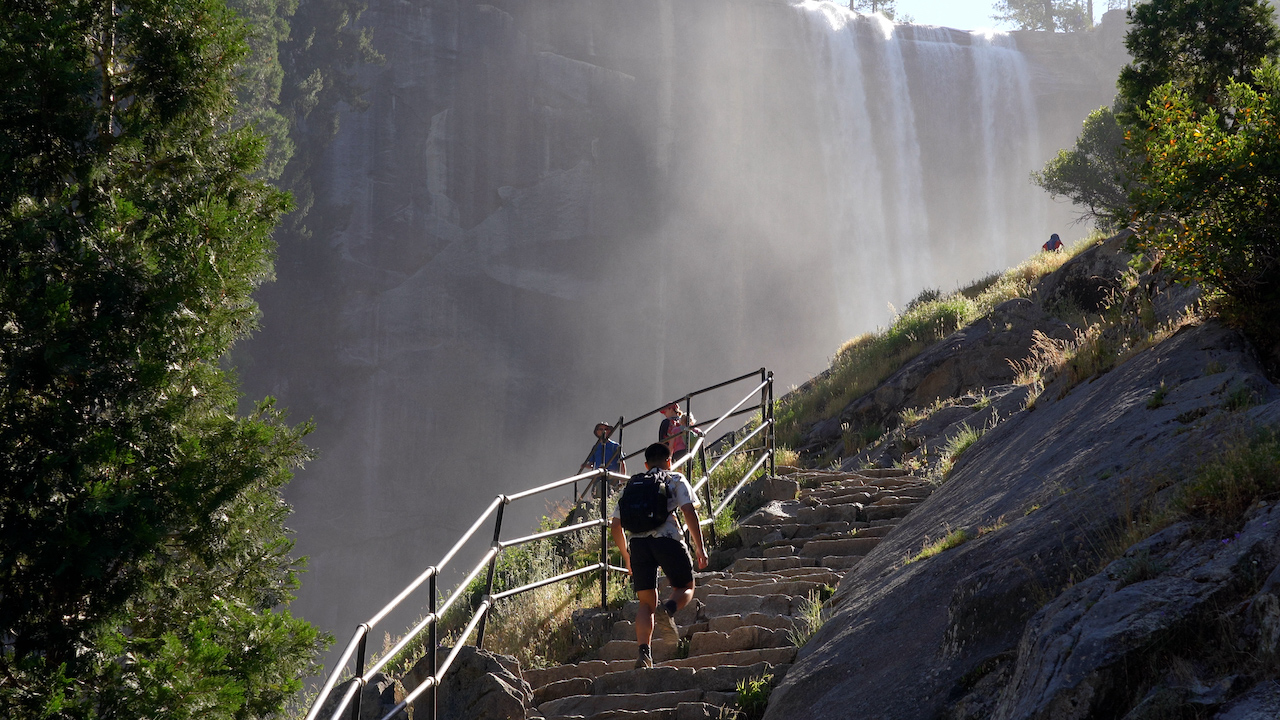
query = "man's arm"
{"x": 695, "y": 532}
{"x": 620, "y": 539}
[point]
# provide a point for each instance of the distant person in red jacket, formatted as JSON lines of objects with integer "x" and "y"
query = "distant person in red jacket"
{"x": 1054, "y": 244}
{"x": 673, "y": 432}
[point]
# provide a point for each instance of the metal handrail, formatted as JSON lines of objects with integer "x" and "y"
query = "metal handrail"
{"x": 707, "y": 477}
{"x": 725, "y": 502}
{"x": 430, "y": 622}
{"x": 697, "y": 445}
{"x": 503, "y": 545}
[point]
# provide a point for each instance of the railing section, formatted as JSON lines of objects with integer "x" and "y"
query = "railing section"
{"x": 760, "y": 438}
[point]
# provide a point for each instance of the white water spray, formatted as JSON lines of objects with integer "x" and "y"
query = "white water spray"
{"x": 932, "y": 135}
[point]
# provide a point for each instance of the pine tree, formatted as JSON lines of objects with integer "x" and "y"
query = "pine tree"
{"x": 1050, "y": 15}
{"x": 144, "y": 566}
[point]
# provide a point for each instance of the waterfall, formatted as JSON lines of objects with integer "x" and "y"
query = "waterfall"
{"x": 931, "y": 135}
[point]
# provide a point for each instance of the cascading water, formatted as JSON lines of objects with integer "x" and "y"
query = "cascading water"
{"x": 557, "y": 212}
{"x": 932, "y": 133}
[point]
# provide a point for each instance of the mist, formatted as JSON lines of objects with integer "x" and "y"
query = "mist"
{"x": 563, "y": 211}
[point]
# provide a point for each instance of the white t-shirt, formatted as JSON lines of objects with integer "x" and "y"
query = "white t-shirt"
{"x": 680, "y": 494}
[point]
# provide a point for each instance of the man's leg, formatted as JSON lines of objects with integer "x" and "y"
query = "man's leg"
{"x": 680, "y": 596}
{"x": 648, "y": 600}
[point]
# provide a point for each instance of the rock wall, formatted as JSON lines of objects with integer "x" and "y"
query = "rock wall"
{"x": 557, "y": 211}
{"x": 1055, "y": 606}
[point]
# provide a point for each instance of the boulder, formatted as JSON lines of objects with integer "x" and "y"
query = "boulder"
{"x": 376, "y": 699}
{"x": 480, "y": 685}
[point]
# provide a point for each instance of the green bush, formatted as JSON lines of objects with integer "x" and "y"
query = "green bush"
{"x": 1209, "y": 205}
{"x": 1093, "y": 174}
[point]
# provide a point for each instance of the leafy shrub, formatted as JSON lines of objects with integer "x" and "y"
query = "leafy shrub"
{"x": 1092, "y": 174}
{"x": 753, "y": 695}
{"x": 1210, "y": 202}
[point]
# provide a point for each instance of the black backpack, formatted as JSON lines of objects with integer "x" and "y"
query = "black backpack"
{"x": 643, "y": 505}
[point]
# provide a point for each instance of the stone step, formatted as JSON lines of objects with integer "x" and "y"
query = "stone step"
{"x": 627, "y": 649}
{"x": 718, "y": 605}
{"x": 879, "y": 531}
{"x": 587, "y": 669}
{"x": 885, "y": 512}
{"x": 834, "y": 498}
{"x": 776, "y": 656}
{"x": 594, "y": 706}
{"x": 746, "y": 637}
{"x": 729, "y": 623}
{"x": 662, "y": 679}
{"x": 626, "y": 630}
{"x": 751, "y": 564}
{"x": 893, "y": 498}
{"x": 854, "y": 546}
{"x": 840, "y": 562}
{"x": 779, "y": 587}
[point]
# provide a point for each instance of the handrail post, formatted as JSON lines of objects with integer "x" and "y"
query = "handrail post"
{"x": 706, "y": 487}
{"x": 493, "y": 564}
{"x": 432, "y": 641}
{"x": 773, "y": 440}
{"x": 355, "y": 706}
{"x": 604, "y": 546}
{"x": 764, "y": 406}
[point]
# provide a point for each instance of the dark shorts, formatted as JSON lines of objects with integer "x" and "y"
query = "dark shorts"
{"x": 650, "y": 553}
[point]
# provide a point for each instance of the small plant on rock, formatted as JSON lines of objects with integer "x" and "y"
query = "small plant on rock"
{"x": 753, "y": 695}
{"x": 810, "y": 619}
{"x": 956, "y": 447}
{"x": 1157, "y": 398}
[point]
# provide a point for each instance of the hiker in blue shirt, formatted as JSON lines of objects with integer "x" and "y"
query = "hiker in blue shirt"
{"x": 606, "y": 453}
{"x": 1054, "y": 244}
{"x": 661, "y": 546}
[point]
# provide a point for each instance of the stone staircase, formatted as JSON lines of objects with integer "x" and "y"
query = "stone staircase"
{"x": 741, "y": 622}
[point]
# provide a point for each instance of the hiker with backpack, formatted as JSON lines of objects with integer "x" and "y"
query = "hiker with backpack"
{"x": 646, "y": 513}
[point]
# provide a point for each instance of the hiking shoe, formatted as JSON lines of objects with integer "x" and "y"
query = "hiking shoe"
{"x": 645, "y": 659}
{"x": 664, "y": 625}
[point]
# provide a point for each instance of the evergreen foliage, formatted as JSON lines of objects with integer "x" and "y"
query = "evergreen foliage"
{"x": 319, "y": 59}
{"x": 143, "y": 559}
{"x": 1200, "y": 45}
{"x": 1094, "y": 174}
{"x": 1050, "y": 15}
{"x": 1209, "y": 205}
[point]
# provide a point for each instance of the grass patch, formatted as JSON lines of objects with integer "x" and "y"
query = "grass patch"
{"x": 753, "y": 695}
{"x": 1096, "y": 349}
{"x": 956, "y": 447}
{"x": 865, "y": 361}
{"x": 1245, "y": 472}
{"x": 954, "y": 538}
{"x": 812, "y": 616}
